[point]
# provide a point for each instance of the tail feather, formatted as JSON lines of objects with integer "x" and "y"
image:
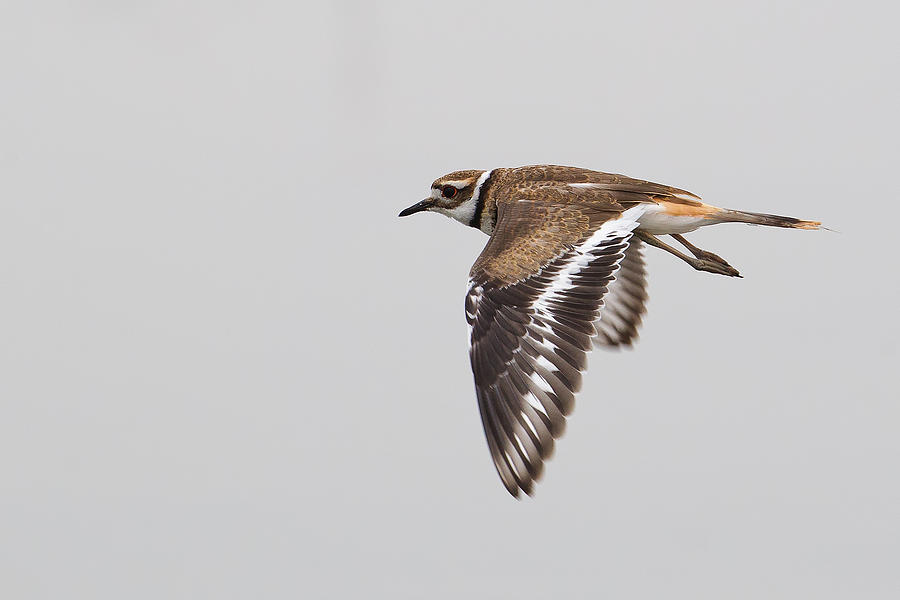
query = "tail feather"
{"x": 739, "y": 216}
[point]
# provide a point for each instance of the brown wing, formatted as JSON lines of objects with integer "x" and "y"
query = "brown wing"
{"x": 531, "y": 232}
{"x": 608, "y": 182}
{"x": 534, "y": 294}
{"x": 626, "y": 301}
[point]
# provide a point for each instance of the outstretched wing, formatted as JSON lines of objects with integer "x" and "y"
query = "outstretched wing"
{"x": 534, "y": 295}
{"x": 625, "y": 303}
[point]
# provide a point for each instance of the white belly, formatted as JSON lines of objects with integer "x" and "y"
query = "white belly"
{"x": 656, "y": 221}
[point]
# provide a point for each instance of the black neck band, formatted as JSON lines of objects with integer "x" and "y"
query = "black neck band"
{"x": 479, "y": 203}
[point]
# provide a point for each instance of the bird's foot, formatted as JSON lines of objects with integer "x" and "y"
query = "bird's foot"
{"x": 714, "y": 264}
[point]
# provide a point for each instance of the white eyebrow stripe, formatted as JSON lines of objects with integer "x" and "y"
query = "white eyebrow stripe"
{"x": 437, "y": 193}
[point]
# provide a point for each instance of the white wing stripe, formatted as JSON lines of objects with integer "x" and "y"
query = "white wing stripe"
{"x": 564, "y": 280}
{"x": 528, "y": 342}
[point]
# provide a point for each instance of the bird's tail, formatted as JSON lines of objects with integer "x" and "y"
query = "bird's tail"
{"x": 739, "y": 216}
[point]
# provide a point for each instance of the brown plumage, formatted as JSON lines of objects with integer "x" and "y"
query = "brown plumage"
{"x": 563, "y": 270}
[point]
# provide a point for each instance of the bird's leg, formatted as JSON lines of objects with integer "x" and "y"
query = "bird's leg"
{"x": 699, "y": 253}
{"x": 701, "y": 264}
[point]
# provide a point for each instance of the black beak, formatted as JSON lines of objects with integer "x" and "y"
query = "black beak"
{"x": 417, "y": 207}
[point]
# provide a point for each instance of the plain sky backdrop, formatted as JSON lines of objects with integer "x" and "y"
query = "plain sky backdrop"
{"x": 228, "y": 370}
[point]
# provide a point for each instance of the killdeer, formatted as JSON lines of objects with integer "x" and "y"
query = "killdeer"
{"x": 563, "y": 270}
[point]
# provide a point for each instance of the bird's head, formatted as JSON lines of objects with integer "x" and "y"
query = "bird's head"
{"x": 455, "y": 195}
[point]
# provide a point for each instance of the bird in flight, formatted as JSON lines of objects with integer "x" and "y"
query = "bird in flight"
{"x": 562, "y": 271}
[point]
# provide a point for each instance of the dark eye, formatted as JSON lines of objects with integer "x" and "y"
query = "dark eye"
{"x": 449, "y": 191}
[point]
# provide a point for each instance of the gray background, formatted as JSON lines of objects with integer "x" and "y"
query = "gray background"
{"x": 229, "y": 371}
